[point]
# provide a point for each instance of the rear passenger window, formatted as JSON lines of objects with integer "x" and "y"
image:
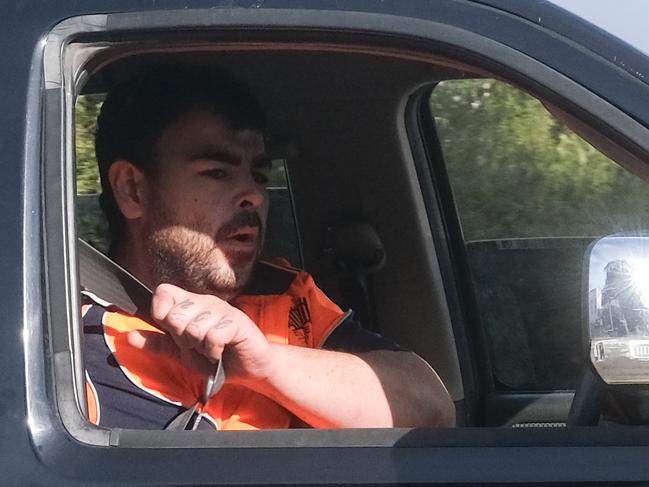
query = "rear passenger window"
{"x": 531, "y": 195}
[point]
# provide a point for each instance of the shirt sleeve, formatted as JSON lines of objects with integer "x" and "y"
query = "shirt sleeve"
{"x": 351, "y": 337}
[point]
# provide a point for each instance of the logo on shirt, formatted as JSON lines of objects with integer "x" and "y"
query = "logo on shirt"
{"x": 299, "y": 319}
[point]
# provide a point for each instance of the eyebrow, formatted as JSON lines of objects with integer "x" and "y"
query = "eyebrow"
{"x": 217, "y": 154}
{"x": 262, "y": 161}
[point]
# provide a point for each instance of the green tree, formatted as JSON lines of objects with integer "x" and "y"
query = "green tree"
{"x": 518, "y": 172}
{"x": 91, "y": 224}
{"x": 87, "y": 110}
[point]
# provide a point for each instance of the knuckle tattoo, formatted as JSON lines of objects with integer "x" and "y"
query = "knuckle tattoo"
{"x": 192, "y": 329}
{"x": 222, "y": 324}
{"x": 201, "y": 316}
{"x": 185, "y": 304}
{"x": 178, "y": 315}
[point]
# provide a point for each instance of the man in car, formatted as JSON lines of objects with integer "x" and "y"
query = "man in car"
{"x": 183, "y": 168}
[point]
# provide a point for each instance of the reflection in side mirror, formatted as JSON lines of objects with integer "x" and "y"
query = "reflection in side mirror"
{"x": 618, "y": 308}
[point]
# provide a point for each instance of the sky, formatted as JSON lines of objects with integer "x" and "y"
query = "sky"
{"x": 627, "y": 19}
{"x": 635, "y": 250}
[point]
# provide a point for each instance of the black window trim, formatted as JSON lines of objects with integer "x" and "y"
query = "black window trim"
{"x": 451, "y": 253}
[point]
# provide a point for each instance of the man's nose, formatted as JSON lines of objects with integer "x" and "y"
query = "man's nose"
{"x": 253, "y": 196}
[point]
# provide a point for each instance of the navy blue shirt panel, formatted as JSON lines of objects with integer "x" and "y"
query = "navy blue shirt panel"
{"x": 351, "y": 337}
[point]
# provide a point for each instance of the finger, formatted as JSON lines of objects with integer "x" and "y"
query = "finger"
{"x": 216, "y": 338}
{"x": 176, "y": 311}
{"x": 157, "y": 343}
{"x": 189, "y": 319}
{"x": 165, "y": 297}
{"x": 160, "y": 344}
{"x": 193, "y": 333}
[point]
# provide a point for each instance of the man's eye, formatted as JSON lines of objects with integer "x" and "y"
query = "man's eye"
{"x": 215, "y": 173}
{"x": 261, "y": 178}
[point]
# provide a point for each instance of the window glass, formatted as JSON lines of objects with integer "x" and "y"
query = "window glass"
{"x": 282, "y": 239}
{"x": 531, "y": 196}
{"x": 91, "y": 224}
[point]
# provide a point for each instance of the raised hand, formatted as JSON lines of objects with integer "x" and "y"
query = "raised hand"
{"x": 203, "y": 329}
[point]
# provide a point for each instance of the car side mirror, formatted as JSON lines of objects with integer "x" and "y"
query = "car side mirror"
{"x": 618, "y": 308}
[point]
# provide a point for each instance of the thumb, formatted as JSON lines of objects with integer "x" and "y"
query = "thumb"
{"x": 164, "y": 298}
{"x": 153, "y": 342}
{"x": 162, "y": 344}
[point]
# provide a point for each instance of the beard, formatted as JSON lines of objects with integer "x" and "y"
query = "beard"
{"x": 187, "y": 255}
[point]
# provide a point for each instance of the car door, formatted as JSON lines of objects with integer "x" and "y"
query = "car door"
{"x": 565, "y": 64}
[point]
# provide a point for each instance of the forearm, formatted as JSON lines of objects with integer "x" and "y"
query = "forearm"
{"x": 323, "y": 388}
{"x": 338, "y": 390}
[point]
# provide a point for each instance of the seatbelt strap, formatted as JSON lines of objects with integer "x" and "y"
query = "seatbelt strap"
{"x": 109, "y": 281}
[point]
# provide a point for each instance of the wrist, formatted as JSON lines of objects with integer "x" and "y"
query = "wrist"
{"x": 264, "y": 378}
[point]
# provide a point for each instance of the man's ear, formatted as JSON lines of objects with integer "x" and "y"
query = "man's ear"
{"x": 129, "y": 188}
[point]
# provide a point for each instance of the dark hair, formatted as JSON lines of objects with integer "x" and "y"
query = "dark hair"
{"x": 137, "y": 111}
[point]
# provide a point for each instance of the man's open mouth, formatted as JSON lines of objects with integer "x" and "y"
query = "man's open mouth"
{"x": 244, "y": 235}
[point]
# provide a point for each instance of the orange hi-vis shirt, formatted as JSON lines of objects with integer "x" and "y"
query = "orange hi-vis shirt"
{"x": 301, "y": 315}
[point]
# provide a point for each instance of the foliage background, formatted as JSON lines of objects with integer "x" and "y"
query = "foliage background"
{"x": 91, "y": 224}
{"x": 518, "y": 172}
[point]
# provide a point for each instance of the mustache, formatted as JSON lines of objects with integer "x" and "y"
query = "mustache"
{"x": 245, "y": 218}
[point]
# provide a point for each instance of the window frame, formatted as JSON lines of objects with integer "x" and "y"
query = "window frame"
{"x": 395, "y": 455}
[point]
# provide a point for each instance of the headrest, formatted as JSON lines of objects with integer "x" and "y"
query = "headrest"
{"x": 356, "y": 246}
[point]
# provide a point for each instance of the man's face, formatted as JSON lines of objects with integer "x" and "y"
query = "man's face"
{"x": 206, "y": 219}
